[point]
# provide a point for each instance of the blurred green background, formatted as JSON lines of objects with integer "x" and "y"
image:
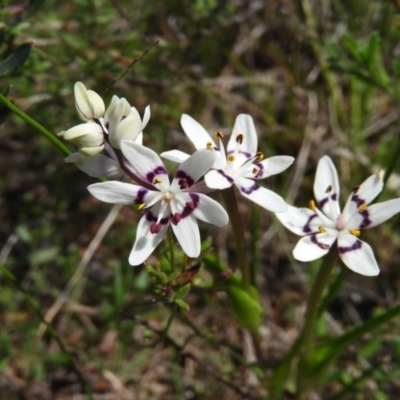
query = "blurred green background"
{"x": 318, "y": 77}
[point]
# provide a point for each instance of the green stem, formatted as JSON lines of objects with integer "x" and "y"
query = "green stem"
{"x": 10, "y": 276}
{"x": 314, "y": 299}
{"x": 171, "y": 250}
{"x": 230, "y": 200}
{"x": 47, "y": 134}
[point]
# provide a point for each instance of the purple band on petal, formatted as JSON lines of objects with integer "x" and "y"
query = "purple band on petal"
{"x": 358, "y": 200}
{"x": 227, "y": 177}
{"x": 260, "y": 171}
{"x": 314, "y": 240}
{"x": 152, "y": 218}
{"x": 366, "y": 222}
{"x": 156, "y": 171}
{"x": 190, "y": 206}
{"x": 245, "y": 153}
{"x": 183, "y": 175}
{"x": 323, "y": 201}
{"x": 250, "y": 189}
{"x": 140, "y": 196}
{"x": 355, "y": 246}
{"x": 307, "y": 228}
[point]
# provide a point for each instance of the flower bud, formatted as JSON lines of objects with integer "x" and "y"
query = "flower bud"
{"x": 88, "y": 103}
{"x": 88, "y": 137}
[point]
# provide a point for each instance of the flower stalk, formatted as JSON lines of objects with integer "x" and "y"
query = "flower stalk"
{"x": 230, "y": 201}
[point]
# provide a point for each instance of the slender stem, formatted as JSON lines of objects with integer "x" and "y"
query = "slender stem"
{"x": 171, "y": 249}
{"x": 10, "y": 276}
{"x": 314, "y": 298}
{"x": 230, "y": 200}
{"x": 47, "y": 134}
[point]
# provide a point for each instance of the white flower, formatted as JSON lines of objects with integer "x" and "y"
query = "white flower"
{"x": 89, "y": 104}
{"x": 88, "y": 137}
{"x": 321, "y": 228}
{"x": 240, "y": 164}
{"x": 177, "y": 204}
{"x": 123, "y": 122}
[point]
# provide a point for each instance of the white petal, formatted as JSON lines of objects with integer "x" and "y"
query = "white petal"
{"x": 175, "y": 156}
{"x": 326, "y": 188}
{"x": 374, "y": 215}
{"x": 85, "y": 135}
{"x": 270, "y": 166}
{"x": 128, "y": 129}
{"x": 218, "y": 179}
{"x": 301, "y": 221}
{"x": 363, "y": 194}
{"x": 196, "y": 133}
{"x": 192, "y": 169}
{"x": 146, "y": 162}
{"x": 264, "y": 197}
{"x": 98, "y": 166}
{"x": 206, "y": 209}
{"x": 122, "y": 193}
{"x": 312, "y": 247}
{"x": 357, "y": 255}
{"x": 188, "y": 235}
{"x": 111, "y": 109}
{"x": 146, "y": 117}
{"x": 146, "y": 241}
{"x": 244, "y": 125}
{"x": 91, "y": 151}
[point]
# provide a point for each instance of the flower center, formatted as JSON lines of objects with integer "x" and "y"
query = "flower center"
{"x": 340, "y": 222}
{"x": 167, "y": 197}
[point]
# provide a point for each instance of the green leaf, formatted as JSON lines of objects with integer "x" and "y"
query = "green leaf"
{"x": 183, "y": 291}
{"x": 246, "y": 309}
{"x": 15, "y": 60}
{"x": 182, "y": 304}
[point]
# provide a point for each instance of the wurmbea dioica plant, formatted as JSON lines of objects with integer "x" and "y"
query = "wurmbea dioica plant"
{"x": 321, "y": 228}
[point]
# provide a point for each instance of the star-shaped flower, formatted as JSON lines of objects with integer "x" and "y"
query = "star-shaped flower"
{"x": 175, "y": 204}
{"x": 240, "y": 164}
{"x": 322, "y": 226}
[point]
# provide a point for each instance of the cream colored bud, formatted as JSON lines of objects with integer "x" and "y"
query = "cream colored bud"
{"x": 88, "y": 137}
{"x": 88, "y": 103}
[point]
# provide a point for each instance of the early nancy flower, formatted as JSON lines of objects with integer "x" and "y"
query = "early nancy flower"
{"x": 175, "y": 204}
{"x": 240, "y": 165}
{"x": 321, "y": 227}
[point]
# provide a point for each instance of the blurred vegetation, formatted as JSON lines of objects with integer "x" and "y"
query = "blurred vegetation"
{"x": 318, "y": 77}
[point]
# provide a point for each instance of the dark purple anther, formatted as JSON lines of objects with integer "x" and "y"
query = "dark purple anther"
{"x": 190, "y": 205}
{"x": 175, "y": 218}
{"x": 155, "y": 228}
{"x": 183, "y": 184}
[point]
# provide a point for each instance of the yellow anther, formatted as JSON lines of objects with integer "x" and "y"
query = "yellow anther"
{"x": 259, "y": 156}
{"x": 321, "y": 229}
{"x": 240, "y": 138}
{"x": 362, "y": 207}
{"x": 231, "y": 158}
{"x": 324, "y": 246}
{"x": 381, "y": 173}
{"x": 157, "y": 180}
{"x": 355, "y": 189}
{"x": 311, "y": 205}
{"x": 254, "y": 171}
{"x": 355, "y": 232}
{"x": 328, "y": 189}
{"x": 218, "y": 135}
{"x": 141, "y": 206}
{"x": 209, "y": 146}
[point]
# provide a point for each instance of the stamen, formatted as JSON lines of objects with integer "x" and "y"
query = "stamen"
{"x": 240, "y": 138}
{"x": 190, "y": 205}
{"x": 183, "y": 183}
{"x": 141, "y": 206}
{"x": 355, "y": 232}
{"x": 356, "y": 189}
{"x": 218, "y": 135}
{"x": 311, "y": 205}
{"x": 328, "y": 189}
{"x": 321, "y": 229}
{"x": 157, "y": 180}
{"x": 175, "y": 218}
{"x": 209, "y": 146}
{"x": 254, "y": 171}
{"x": 231, "y": 158}
{"x": 362, "y": 207}
{"x": 381, "y": 172}
{"x": 155, "y": 227}
{"x": 260, "y": 156}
